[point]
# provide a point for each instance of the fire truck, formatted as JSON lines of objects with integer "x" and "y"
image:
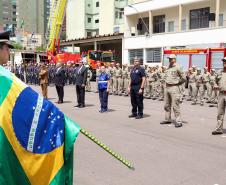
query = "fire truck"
{"x": 53, "y": 35}
{"x": 208, "y": 57}
{"x": 93, "y": 57}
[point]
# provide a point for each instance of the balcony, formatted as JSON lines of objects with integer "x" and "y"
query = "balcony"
{"x": 191, "y": 37}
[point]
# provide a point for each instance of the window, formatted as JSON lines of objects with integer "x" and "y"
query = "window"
{"x": 121, "y": 15}
{"x": 116, "y": 14}
{"x": 153, "y": 55}
{"x": 136, "y": 53}
{"x": 89, "y": 20}
{"x": 116, "y": 29}
{"x": 216, "y": 60}
{"x": 199, "y": 18}
{"x": 183, "y": 25}
{"x": 89, "y": 34}
{"x": 88, "y": 5}
{"x": 159, "y": 24}
{"x": 143, "y": 26}
{"x": 97, "y": 21}
{"x": 171, "y": 26}
{"x": 97, "y": 4}
{"x": 221, "y": 19}
{"x": 199, "y": 60}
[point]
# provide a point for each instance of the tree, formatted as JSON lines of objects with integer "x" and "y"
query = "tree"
{"x": 40, "y": 49}
{"x": 17, "y": 46}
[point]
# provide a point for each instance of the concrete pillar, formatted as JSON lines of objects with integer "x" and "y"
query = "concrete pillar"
{"x": 144, "y": 56}
{"x": 217, "y": 12}
{"x": 150, "y": 23}
{"x": 73, "y": 48}
{"x": 95, "y": 45}
{"x": 180, "y": 18}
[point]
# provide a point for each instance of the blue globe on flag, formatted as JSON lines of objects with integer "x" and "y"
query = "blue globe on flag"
{"x": 37, "y": 123}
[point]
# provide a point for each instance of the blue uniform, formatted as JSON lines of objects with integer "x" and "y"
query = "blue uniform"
{"x": 103, "y": 94}
{"x": 136, "y": 76}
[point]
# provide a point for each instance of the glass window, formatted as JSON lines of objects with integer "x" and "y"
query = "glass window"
{"x": 116, "y": 29}
{"x": 136, "y": 53}
{"x": 97, "y": 21}
{"x": 159, "y": 24}
{"x": 166, "y": 60}
{"x": 171, "y": 26}
{"x": 89, "y": 20}
{"x": 121, "y": 15}
{"x": 116, "y": 14}
{"x": 183, "y": 61}
{"x": 89, "y": 34}
{"x": 199, "y": 18}
{"x": 141, "y": 26}
{"x": 221, "y": 19}
{"x": 153, "y": 55}
{"x": 97, "y": 4}
{"x": 216, "y": 60}
{"x": 199, "y": 60}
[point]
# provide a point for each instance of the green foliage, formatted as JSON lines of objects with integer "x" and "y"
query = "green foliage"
{"x": 17, "y": 46}
{"x": 40, "y": 49}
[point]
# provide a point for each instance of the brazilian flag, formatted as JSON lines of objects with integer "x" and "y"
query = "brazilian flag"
{"x": 36, "y": 138}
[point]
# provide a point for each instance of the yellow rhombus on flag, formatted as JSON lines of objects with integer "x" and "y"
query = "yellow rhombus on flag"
{"x": 36, "y": 138}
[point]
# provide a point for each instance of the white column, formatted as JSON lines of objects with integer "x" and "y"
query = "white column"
{"x": 144, "y": 56}
{"x": 217, "y": 12}
{"x": 73, "y": 48}
{"x": 150, "y": 23}
{"x": 95, "y": 45}
{"x": 180, "y": 18}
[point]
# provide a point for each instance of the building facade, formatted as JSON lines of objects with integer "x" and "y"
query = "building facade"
{"x": 86, "y": 18}
{"x": 37, "y": 20}
{"x": 152, "y": 27}
{"x": 8, "y": 15}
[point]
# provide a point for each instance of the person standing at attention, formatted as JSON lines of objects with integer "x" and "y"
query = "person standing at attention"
{"x": 43, "y": 76}
{"x": 136, "y": 89}
{"x": 103, "y": 89}
{"x": 174, "y": 77}
{"x": 60, "y": 78}
{"x": 80, "y": 82}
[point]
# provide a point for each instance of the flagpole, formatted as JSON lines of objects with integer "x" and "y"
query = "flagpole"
{"x": 107, "y": 149}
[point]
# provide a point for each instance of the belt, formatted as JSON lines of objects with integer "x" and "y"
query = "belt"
{"x": 171, "y": 85}
{"x": 223, "y": 92}
{"x": 102, "y": 81}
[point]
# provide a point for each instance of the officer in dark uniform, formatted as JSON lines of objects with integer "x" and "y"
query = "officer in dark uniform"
{"x": 136, "y": 89}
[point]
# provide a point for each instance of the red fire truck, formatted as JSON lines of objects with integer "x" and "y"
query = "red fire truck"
{"x": 209, "y": 57}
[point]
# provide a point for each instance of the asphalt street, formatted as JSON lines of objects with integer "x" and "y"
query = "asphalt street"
{"x": 161, "y": 154}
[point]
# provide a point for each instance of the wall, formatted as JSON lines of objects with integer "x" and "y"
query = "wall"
{"x": 187, "y": 8}
{"x": 171, "y": 14}
{"x": 201, "y": 37}
{"x": 106, "y": 17}
{"x": 75, "y": 22}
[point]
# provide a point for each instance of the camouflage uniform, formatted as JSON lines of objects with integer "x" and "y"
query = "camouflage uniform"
{"x": 174, "y": 77}
{"x": 221, "y": 82}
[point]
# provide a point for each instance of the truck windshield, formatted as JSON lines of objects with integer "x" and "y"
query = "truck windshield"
{"x": 107, "y": 56}
{"x": 101, "y": 56}
{"x": 94, "y": 55}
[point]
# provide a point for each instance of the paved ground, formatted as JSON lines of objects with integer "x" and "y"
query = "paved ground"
{"x": 162, "y": 155}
